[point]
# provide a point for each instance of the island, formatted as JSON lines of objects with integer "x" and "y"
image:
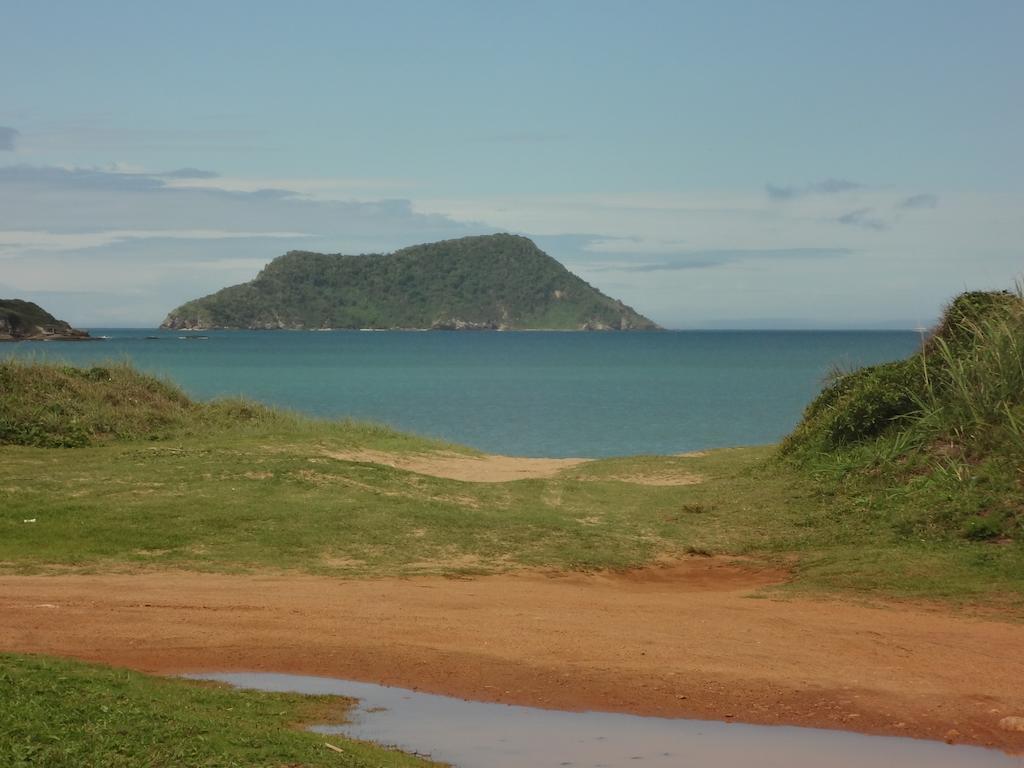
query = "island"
{"x": 491, "y": 282}
{"x": 27, "y": 321}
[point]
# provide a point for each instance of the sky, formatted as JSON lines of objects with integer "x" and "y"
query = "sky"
{"x": 715, "y": 164}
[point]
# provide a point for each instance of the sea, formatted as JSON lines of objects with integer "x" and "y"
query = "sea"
{"x": 515, "y": 393}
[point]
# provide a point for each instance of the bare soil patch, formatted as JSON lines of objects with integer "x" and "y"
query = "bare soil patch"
{"x": 693, "y": 639}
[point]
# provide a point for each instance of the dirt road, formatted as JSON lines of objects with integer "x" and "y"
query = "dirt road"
{"x": 692, "y": 640}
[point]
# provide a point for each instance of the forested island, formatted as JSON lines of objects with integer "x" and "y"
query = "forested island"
{"x": 492, "y": 282}
{"x": 27, "y": 321}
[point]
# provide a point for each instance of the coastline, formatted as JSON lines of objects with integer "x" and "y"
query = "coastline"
{"x": 204, "y": 329}
{"x": 14, "y": 339}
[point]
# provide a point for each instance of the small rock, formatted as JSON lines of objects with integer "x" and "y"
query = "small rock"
{"x": 1012, "y": 724}
{"x": 952, "y": 735}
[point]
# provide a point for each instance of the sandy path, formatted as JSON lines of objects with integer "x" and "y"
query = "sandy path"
{"x": 681, "y": 641}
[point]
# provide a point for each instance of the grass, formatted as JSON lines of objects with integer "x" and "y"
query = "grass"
{"x": 63, "y": 714}
{"x": 242, "y": 502}
{"x": 237, "y": 502}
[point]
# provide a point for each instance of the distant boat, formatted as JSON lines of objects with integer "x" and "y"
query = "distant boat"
{"x": 194, "y": 338}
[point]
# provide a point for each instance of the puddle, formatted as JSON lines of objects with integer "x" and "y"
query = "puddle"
{"x": 470, "y": 734}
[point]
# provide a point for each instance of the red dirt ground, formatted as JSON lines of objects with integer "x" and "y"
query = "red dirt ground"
{"x": 692, "y": 640}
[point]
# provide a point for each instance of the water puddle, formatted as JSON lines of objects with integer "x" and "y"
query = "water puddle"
{"x": 470, "y": 734}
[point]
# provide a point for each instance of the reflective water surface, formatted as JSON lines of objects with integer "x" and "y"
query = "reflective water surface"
{"x": 470, "y": 734}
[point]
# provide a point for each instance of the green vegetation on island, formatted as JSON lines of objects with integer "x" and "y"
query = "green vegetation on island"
{"x": 26, "y": 321}
{"x": 493, "y": 282}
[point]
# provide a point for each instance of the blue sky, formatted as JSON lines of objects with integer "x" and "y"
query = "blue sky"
{"x": 714, "y": 164}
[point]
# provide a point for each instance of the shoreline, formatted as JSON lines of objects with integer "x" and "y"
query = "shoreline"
{"x": 16, "y": 339}
{"x": 684, "y": 640}
{"x": 204, "y": 329}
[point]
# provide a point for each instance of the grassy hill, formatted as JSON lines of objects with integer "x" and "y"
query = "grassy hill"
{"x": 27, "y": 320}
{"x": 49, "y": 405}
{"x": 491, "y": 282}
{"x": 935, "y": 441}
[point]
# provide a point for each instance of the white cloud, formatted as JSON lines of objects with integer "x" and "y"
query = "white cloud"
{"x": 250, "y": 266}
{"x": 20, "y": 242}
{"x": 55, "y": 199}
{"x": 823, "y": 187}
{"x": 640, "y": 245}
{"x": 338, "y": 189}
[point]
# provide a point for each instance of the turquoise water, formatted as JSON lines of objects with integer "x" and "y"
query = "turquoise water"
{"x": 531, "y": 394}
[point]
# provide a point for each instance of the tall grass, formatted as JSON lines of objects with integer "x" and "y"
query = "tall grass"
{"x": 974, "y": 382}
{"x": 54, "y": 405}
{"x": 942, "y": 430}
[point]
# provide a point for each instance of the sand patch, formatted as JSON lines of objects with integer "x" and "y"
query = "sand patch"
{"x": 492, "y": 468}
{"x": 472, "y": 469}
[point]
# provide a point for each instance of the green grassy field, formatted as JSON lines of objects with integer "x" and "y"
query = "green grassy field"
{"x": 63, "y": 714}
{"x": 266, "y": 495}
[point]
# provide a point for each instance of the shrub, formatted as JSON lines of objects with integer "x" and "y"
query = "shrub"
{"x": 61, "y": 406}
